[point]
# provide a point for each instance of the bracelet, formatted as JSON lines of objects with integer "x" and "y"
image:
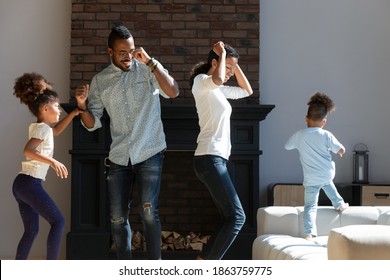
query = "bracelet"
{"x": 152, "y": 64}
{"x": 81, "y": 110}
{"x": 151, "y": 60}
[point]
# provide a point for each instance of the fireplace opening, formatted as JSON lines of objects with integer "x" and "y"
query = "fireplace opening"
{"x": 170, "y": 241}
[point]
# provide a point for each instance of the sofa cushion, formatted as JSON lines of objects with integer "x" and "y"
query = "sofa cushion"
{"x": 384, "y": 217}
{"x": 363, "y": 215}
{"x": 278, "y": 220}
{"x": 359, "y": 242}
{"x": 285, "y": 247}
{"x": 327, "y": 218}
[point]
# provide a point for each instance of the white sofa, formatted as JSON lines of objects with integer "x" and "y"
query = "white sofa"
{"x": 360, "y": 232}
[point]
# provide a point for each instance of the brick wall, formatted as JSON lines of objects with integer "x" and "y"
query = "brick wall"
{"x": 179, "y": 33}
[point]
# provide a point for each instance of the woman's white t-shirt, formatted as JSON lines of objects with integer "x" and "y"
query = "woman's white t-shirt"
{"x": 214, "y": 115}
{"x": 35, "y": 168}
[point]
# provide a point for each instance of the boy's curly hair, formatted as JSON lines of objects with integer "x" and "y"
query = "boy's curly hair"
{"x": 34, "y": 90}
{"x": 319, "y": 106}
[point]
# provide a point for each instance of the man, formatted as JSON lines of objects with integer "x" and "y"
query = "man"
{"x": 128, "y": 89}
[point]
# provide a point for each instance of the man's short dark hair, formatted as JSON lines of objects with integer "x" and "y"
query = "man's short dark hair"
{"x": 117, "y": 33}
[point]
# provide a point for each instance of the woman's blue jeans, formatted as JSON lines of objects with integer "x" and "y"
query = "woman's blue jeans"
{"x": 146, "y": 176}
{"x": 311, "y": 202}
{"x": 213, "y": 172}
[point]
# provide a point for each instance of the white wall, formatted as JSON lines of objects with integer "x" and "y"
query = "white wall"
{"x": 342, "y": 48}
{"x": 35, "y": 36}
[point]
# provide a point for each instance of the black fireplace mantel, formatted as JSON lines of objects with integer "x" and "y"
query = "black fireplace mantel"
{"x": 181, "y": 122}
{"x": 240, "y": 111}
{"x": 188, "y": 111}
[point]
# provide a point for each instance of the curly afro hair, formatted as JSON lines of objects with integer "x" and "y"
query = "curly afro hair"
{"x": 29, "y": 86}
{"x": 34, "y": 90}
{"x": 319, "y": 106}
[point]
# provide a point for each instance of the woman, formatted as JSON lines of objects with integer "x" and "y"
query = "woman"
{"x": 213, "y": 149}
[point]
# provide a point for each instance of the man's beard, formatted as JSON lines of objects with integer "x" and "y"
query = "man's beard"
{"x": 124, "y": 65}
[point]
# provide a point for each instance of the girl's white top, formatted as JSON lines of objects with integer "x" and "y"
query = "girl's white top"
{"x": 35, "y": 168}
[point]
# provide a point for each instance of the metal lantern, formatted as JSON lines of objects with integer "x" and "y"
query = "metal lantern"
{"x": 360, "y": 164}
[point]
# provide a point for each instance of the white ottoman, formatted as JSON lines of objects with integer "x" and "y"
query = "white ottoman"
{"x": 359, "y": 242}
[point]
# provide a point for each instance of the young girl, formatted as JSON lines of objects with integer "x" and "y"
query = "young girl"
{"x": 34, "y": 91}
{"x": 213, "y": 149}
{"x": 314, "y": 145}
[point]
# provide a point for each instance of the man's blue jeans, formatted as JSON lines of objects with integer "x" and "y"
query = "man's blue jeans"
{"x": 146, "y": 176}
{"x": 212, "y": 171}
{"x": 311, "y": 201}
